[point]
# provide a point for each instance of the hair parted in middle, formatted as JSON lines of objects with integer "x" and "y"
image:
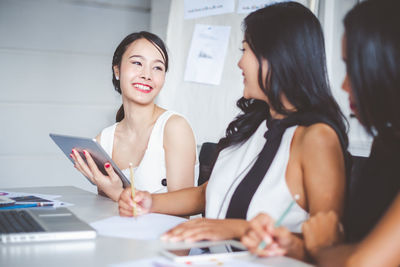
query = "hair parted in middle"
{"x": 120, "y": 50}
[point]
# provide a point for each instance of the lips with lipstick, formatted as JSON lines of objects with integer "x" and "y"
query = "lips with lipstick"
{"x": 144, "y": 88}
{"x": 353, "y": 106}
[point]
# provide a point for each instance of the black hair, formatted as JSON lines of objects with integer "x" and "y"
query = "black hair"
{"x": 295, "y": 53}
{"x": 119, "y": 52}
{"x": 373, "y": 64}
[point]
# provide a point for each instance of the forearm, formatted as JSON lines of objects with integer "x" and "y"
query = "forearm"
{"x": 238, "y": 227}
{"x": 297, "y": 249}
{"x": 335, "y": 256}
{"x": 381, "y": 247}
{"x": 188, "y": 201}
{"x": 114, "y": 195}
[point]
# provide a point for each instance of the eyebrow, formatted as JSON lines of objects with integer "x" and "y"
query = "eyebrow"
{"x": 139, "y": 56}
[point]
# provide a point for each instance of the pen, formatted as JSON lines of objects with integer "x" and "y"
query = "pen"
{"x": 264, "y": 244}
{"x": 20, "y": 206}
{"x": 132, "y": 189}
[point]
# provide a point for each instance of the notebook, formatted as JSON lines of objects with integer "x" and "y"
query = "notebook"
{"x": 42, "y": 224}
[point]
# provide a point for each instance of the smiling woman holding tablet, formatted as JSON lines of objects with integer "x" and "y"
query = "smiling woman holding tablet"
{"x": 159, "y": 143}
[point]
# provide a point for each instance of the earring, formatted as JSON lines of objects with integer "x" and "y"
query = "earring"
{"x": 116, "y": 77}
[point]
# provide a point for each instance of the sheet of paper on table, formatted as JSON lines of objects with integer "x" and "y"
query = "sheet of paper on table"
{"x": 149, "y": 226}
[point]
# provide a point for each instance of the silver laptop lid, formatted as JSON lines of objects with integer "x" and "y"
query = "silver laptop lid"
{"x": 56, "y": 224}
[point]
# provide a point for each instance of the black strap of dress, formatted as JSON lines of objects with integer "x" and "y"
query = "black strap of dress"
{"x": 244, "y": 192}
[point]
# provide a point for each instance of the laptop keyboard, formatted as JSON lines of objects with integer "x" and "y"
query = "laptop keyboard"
{"x": 18, "y": 221}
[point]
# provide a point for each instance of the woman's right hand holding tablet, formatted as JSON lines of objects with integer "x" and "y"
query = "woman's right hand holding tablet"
{"x": 143, "y": 201}
{"x": 110, "y": 184}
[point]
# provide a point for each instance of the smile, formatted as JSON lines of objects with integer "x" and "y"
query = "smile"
{"x": 143, "y": 87}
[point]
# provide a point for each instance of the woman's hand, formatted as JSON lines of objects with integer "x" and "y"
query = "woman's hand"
{"x": 276, "y": 241}
{"x": 261, "y": 230}
{"x": 142, "y": 203}
{"x": 111, "y": 185}
{"x": 322, "y": 230}
{"x": 206, "y": 229}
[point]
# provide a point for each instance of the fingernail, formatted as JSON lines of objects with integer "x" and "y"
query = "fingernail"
{"x": 107, "y": 165}
{"x": 70, "y": 155}
{"x": 84, "y": 152}
{"x": 164, "y": 237}
{"x": 268, "y": 240}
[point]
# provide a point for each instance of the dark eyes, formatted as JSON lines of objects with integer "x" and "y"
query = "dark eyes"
{"x": 138, "y": 63}
{"x": 242, "y": 49}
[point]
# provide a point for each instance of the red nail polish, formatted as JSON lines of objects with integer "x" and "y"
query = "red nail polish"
{"x": 84, "y": 152}
{"x": 70, "y": 155}
{"x": 107, "y": 165}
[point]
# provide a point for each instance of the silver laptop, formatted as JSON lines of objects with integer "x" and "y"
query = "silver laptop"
{"x": 42, "y": 224}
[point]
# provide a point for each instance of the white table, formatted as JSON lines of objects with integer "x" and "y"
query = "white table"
{"x": 99, "y": 252}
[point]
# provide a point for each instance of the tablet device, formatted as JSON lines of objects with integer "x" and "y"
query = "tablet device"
{"x": 200, "y": 252}
{"x": 67, "y": 143}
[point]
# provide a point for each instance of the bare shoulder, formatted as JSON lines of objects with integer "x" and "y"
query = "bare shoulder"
{"x": 176, "y": 124}
{"x": 318, "y": 135}
{"x": 98, "y": 138}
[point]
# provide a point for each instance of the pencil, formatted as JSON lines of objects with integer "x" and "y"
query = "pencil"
{"x": 132, "y": 188}
{"x": 278, "y": 223}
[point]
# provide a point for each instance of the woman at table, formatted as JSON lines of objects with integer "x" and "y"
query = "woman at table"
{"x": 371, "y": 51}
{"x": 286, "y": 101}
{"x": 159, "y": 143}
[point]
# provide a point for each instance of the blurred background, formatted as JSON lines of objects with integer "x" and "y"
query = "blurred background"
{"x": 55, "y": 77}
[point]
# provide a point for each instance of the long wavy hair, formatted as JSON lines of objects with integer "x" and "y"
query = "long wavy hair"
{"x": 295, "y": 53}
{"x": 373, "y": 65}
{"x": 119, "y": 52}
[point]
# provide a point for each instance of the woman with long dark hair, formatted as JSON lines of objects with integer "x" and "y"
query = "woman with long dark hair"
{"x": 290, "y": 138}
{"x": 159, "y": 143}
{"x": 371, "y": 51}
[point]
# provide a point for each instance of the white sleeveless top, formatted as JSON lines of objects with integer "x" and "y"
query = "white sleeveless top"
{"x": 151, "y": 170}
{"x": 271, "y": 197}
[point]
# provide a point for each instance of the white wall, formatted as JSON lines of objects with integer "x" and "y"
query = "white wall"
{"x": 159, "y": 17}
{"x": 55, "y": 76}
{"x": 208, "y": 108}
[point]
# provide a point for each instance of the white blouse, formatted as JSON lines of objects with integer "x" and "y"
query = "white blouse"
{"x": 151, "y": 170}
{"x": 271, "y": 197}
